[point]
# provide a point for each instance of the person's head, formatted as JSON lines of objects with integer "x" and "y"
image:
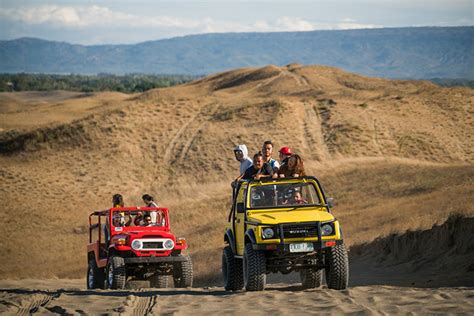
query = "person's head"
{"x": 258, "y": 160}
{"x": 240, "y": 152}
{"x": 239, "y": 155}
{"x": 118, "y": 220}
{"x": 267, "y": 149}
{"x": 147, "y": 198}
{"x": 295, "y": 162}
{"x": 147, "y": 219}
{"x": 298, "y": 196}
{"x": 117, "y": 200}
{"x": 285, "y": 152}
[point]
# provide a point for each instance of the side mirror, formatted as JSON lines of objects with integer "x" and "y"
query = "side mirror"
{"x": 240, "y": 208}
{"x": 330, "y": 202}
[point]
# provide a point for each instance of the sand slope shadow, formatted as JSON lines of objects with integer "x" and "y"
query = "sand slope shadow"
{"x": 440, "y": 256}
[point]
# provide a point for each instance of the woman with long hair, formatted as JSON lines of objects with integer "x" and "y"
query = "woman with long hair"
{"x": 293, "y": 168}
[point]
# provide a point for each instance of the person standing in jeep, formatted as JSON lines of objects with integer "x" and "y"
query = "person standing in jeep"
{"x": 259, "y": 169}
{"x": 241, "y": 155}
{"x": 267, "y": 150}
{"x": 285, "y": 153}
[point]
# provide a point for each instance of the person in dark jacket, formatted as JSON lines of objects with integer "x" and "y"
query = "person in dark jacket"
{"x": 259, "y": 169}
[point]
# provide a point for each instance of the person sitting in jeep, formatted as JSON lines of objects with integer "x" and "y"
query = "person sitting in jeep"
{"x": 119, "y": 220}
{"x": 298, "y": 198}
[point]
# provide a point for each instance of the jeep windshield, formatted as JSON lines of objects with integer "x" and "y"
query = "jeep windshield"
{"x": 135, "y": 218}
{"x": 283, "y": 195}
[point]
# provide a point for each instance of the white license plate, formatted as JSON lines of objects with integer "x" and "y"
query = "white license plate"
{"x": 302, "y": 247}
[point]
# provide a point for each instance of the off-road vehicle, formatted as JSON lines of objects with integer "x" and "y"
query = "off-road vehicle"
{"x": 282, "y": 225}
{"x": 122, "y": 247}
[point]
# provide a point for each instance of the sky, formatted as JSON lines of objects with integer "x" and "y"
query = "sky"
{"x": 132, "y": 21}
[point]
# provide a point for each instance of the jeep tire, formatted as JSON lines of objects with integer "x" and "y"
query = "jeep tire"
{"x": 311, "y": 278}
{"x": 183, "y": 273}
{"x": 159, "y": 281}
{"x": 232, "y": 272}
{"x": 116, "y": 273}
{"x": 337, "y": 270}
{"x": 95, "y": 276}
{"x": 254, "y": 269}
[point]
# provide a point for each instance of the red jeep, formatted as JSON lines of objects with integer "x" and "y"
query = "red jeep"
{"x": 122, "y": 247}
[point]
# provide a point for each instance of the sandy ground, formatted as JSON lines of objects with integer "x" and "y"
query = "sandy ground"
{"x": 69, "y": 297}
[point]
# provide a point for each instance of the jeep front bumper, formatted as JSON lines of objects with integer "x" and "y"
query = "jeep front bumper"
{"x": 154, "y": 259}
{"x": 285, "y": 247}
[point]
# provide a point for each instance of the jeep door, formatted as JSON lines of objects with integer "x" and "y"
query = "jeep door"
{"x": 239, "y": 219}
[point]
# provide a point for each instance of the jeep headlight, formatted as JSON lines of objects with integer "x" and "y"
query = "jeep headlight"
{"x": 268, "y": 233}
{"x": 327, "y": 229}
{"x": 136, "y": 244}
{"x": 168, "y": 244}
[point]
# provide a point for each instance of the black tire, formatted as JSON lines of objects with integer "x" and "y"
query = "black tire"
{"x": 95, "y": 276}
{"x": 159, "y": 281}
{"x": 311, "y": 278}
{"x": 183, "y": 273}
{"x": 254, "y": 269}
{"x": 116, "y": 273}
{"x": 232, "y": 272}
{"x": 337, "y": 270}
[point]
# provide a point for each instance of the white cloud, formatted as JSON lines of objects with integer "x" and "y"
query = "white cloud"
{"x": 293, "y": 24}
{"x": 97, "y": 16}
{"x": 353, "y": 25}
{"x": 107, "y": 23}
{"x": 90, "y": 16}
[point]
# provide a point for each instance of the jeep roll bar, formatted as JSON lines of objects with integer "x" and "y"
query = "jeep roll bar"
{"x": 276, "y": 180}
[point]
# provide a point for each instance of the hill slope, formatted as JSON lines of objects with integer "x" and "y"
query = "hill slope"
{"x": 394, "y": 154}
{"x": 396, "y": 53}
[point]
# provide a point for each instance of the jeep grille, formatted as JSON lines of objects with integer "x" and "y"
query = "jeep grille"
{"x": 300, "y": 231}
{"x": 152, "y": 245}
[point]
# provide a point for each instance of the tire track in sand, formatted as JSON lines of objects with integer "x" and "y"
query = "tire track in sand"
{"x": 184, "y": 139}
{"x": 141, "y": 303}
{"x": 36, "y": 300}
{"x": 313, "y": 134}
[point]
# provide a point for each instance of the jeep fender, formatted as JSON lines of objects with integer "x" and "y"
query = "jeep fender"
{"x": 229, "y": 238}
{"x": 250, "y": 237}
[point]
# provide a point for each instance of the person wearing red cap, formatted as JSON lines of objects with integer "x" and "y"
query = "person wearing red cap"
{"x": 285, "y": 153}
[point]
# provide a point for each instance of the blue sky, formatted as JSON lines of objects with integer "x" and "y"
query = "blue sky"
{"x": 120, "y": 21}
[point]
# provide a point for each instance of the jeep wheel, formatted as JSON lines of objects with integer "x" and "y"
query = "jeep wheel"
{"x": 232, "y": 271}
{"x": 159, "y": 281}
{"x": 254, "y": 269}
{"x": 311, "y": 278}
{"x": 183, "y": 273}
{"x": 95, "y": 276}
{"x": 337, "y": 270}
{"x": 116, "y": 273}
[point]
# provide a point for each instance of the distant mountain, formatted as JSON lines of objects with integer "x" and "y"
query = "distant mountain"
{"x": 415, "y": 53}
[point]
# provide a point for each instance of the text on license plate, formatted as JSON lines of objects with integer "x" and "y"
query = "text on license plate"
{"x": 302, "y": 247}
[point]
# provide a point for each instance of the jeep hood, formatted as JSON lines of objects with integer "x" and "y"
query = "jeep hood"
{"x": 290, "y": 216}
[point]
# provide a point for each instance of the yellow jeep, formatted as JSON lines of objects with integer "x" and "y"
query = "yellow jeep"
{"x": 282, "y": 225}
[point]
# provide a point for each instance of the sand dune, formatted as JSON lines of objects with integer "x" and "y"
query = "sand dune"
{"x": 396, "y": 156}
